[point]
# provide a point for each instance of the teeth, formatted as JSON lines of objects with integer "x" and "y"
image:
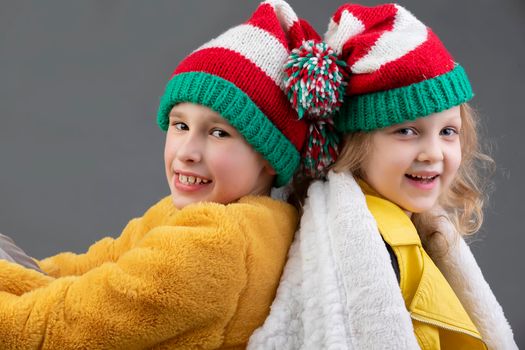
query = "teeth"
{"x": 191, "y": 180}
{"x": 422, "y": 177}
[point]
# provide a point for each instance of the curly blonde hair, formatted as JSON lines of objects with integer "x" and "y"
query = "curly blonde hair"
{"x": 463, "y": 202}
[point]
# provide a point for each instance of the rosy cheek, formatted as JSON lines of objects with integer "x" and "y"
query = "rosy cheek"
{"x": 221, "y": 162}
{"x": 166, "y": 154}
{"x": 457, "y": 158}
{"x": 168, "y": 160}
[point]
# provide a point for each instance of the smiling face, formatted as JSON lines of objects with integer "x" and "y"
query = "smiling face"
{"x": 206, "y": 159}
{"x": 412, "y": 164}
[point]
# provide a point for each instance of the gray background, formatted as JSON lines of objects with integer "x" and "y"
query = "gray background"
{"x": 80, "y": 153}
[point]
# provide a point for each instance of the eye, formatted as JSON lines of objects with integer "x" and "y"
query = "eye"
{"x": 406, "y": 131}
{"x": 179, "y": 126}
{"x": 219, "y": 133}
{"x": 449, "y": 131}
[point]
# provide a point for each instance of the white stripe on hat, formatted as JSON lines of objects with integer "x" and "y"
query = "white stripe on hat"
{"x": 268, "y": 54}
{"x": 284, "y": 12}
{"x": 337, "y": 35}
{"x": 406, "y": 35}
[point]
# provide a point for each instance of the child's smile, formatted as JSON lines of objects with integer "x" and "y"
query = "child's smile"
{"x": 190, "y": 182}
{"x": 190, "y": 179}
{"x": 424, "y": 180}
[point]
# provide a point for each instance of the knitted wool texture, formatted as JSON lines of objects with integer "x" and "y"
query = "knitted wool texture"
{"x": 398, "y": 68}
{"x": 240, "y": 76}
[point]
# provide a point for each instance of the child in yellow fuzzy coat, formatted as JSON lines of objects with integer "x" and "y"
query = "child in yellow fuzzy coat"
{"x": 200, "y": 268}
{"x": 202, "y": 276}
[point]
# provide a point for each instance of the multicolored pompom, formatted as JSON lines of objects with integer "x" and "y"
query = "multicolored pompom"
{"x": 315, "y": 85}
{"x": 320, "y": 150}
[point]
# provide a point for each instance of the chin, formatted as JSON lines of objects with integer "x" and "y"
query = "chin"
{"x": 176, "y": 202}
{"x": 418, "y": 209}
{"x": 179, "y": 202}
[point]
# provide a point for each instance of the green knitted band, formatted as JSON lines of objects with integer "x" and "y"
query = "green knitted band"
{"x": 385, "y": 108}
{"x": 241, "y": 112}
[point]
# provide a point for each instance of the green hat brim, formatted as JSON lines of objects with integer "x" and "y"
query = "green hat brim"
{"x": 381, "y": 109}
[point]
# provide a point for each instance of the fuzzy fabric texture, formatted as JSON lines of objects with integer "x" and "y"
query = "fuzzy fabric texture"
{"x": 471, "y": 288}
{"x": 342, "y": 293}
{"x": 200, "y": 277}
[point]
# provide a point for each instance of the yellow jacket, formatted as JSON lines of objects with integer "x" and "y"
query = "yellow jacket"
{"x": 200, "y": 277}
{"x": 439, "y": 319}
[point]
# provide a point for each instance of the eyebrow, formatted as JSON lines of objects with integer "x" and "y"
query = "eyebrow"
{"x": 217, "y": 118}
{"x": 213, "y": 117}
{"x": 175, "y": 114}
{"x": 453, "y": 118}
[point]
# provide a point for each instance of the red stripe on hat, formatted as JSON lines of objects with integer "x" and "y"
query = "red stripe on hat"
{"x": 266, "y": 19}
{"x": 301, "y": 31}
{"x": 377, "y": 21}
{"x": 428, "y": 61}
{"x": 248, "y": 77}
{"x": 368, "y": 15}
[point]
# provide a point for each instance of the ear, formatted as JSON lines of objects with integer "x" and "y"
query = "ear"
{"x": 268, "y": 168}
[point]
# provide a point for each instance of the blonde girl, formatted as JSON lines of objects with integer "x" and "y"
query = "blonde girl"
{"x": 380, "y": 261}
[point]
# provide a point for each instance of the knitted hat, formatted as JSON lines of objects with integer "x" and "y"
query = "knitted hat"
{"x": 398, "y": 68}
{"x": 241, "y": 76}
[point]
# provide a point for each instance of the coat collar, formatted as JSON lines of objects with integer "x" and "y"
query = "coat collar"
{"x": 462, "y": 272}
{"x": 338, "y": 288}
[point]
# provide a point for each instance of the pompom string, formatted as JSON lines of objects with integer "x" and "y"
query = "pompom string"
{"x": 315, "y": 84}
{"x": 321, "y": 148}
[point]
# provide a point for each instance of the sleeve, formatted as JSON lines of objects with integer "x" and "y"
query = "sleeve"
{"x": 19, "y": 273}
{"x": 106, "y": 250}
{"x": 17, "y": 279}
{"x": 177, "y": 280}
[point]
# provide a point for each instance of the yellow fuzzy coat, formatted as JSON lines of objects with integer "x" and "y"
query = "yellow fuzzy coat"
{"x": 201, "y": 277}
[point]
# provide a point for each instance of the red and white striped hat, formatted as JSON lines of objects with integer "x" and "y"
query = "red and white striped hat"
{"x": 240, "y": 75}
{"x": 398, "y": 68}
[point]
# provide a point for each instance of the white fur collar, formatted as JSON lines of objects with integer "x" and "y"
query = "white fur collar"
{"x": 338, "y": 289}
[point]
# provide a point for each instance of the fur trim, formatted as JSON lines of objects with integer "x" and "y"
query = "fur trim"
{"x": 307, "y": 312}
{"x": 463, "y": 274}
{"x": 376, "y": 310}
{"x": 339, "y": 291}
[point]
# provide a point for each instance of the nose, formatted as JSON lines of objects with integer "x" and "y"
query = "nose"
{"x": 431, "y": 150}
{"x": 190, "y": 148}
